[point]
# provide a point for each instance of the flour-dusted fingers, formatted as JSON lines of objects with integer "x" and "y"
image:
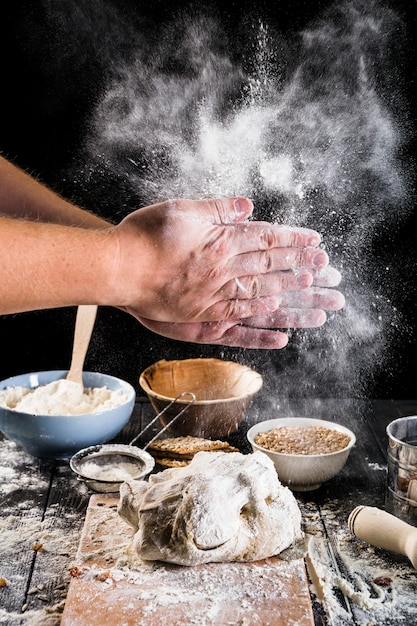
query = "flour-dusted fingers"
{"x": 308, "y": 298}
{"x": 175, "y": 258}
{"x": 313, "y": 298}
{"x": 274, "y": 283}
{"x": 288, "y": 318}
{"x": 252, "y": 235}
{"x": 304, "y": 308}
{"x": 300, "y": 309}
{"x": 327, "y": 277}
{"x": 278, "y": 259}
{"x": 232, "y": 334}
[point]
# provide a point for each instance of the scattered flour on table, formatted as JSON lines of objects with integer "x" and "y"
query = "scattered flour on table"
{"x": 379, "y": 590}
{"x": 377, "y": 467}
{"x": 24, "y": 524}
{"x": 21, "y": 532}
{"x": 203, "y": 594}
{"x": 17, "y": 470}
{"x": 50, "y": 616}
{"x": 58, "y": 539}
{"x": 61, "y": 397}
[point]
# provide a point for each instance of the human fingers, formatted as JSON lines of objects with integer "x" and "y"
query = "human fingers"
{"x": 235, "y": 309}
{"x": 326, "y": 277}
{"x": 241, "y": 308}
{"x": 277, "y": 259}
{"x": 266, "y": 284}
{"x": 300, "y": 309}
{"x": 313, "y": 298}
{"x": 232, "y": 334}
{"x": 253, "y": 236}
{"x": 245, "y": 236}
{"x": 289, "y": 318}
{"x": 227, "y": 210}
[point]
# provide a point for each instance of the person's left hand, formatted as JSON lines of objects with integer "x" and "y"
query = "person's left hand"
{"x": 304, "y": 308}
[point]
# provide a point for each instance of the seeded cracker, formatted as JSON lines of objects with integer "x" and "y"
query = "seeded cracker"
{"x": 164, "y": 462}
{"x": 182, "y": 449}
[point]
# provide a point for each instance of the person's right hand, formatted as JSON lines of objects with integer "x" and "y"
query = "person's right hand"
{"x": 187, "y": 261}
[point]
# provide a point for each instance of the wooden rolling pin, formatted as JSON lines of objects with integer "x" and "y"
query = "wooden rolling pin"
{"x": 384, "y": 530}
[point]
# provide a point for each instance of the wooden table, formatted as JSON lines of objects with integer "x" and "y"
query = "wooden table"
{"x": 42, "y": 511}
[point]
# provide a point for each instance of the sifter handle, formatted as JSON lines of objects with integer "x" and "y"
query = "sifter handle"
{"x": 384, "y": 530}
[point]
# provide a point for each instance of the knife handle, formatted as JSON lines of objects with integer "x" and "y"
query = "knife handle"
{"x": 384, "y": 530}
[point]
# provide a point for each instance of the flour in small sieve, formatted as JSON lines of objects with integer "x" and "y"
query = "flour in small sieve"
{"x": 116, "y": 473}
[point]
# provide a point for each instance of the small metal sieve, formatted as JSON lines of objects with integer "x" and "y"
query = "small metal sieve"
{"x": 105, "y": 467}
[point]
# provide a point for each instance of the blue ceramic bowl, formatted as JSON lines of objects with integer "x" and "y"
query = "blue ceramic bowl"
{"x": 60, "y": 436}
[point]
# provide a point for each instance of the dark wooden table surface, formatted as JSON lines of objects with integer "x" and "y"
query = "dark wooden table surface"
{"x": 42, "y": 509}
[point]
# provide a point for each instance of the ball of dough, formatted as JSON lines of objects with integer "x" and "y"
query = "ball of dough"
{"x": 222, "y": 507}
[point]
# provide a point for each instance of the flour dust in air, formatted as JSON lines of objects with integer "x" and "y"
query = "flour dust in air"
{"x": 311, "y": 127}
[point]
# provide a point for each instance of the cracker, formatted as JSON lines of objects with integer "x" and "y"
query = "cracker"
{"x": 172, "y": 462}
{"x": 187, "y": 447}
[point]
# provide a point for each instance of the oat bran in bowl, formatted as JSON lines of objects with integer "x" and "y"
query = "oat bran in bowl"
{"x": 306, "y": 452}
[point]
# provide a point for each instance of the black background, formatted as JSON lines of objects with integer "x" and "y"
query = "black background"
{"x": 52, "y": 75}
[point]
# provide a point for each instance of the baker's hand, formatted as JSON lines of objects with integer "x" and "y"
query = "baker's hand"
{"x": 304, "y": 308}
{"x": 201, "y": 261}
{"x": 297, "y": 309}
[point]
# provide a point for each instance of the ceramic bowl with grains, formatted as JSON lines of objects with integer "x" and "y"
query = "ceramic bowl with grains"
{"x": 306, "y": 451}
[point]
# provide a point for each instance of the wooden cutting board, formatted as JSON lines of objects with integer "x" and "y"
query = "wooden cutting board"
{"x": 104, "y": 591}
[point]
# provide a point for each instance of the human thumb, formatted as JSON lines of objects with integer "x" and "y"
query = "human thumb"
{"x": 231, "y": 210}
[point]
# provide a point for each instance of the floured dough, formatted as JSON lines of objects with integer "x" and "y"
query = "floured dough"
{"x": 222, "y": 507}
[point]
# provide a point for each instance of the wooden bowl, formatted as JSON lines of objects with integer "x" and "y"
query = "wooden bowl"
{"x": 223, "y": 390}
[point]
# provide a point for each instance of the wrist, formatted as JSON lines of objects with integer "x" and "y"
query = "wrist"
{"x": 129, "y": 267}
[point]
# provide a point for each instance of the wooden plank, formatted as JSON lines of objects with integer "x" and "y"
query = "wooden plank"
{"x": 24, "y": 487}
{"x": 62, "y": 525}
{"x": 271, "y": 592}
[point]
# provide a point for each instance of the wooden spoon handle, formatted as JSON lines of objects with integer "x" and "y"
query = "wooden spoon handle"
{"x": 84, "y": 324}
{"x": 384, "y": 530}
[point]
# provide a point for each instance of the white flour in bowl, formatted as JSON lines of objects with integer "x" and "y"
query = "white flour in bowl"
{"x": 61, "y": 397}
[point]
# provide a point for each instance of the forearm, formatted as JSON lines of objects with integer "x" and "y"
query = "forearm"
{"x": 22, "y": 196}
{"x": 50, "y": 265}
{"x": 192, "y": 270}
